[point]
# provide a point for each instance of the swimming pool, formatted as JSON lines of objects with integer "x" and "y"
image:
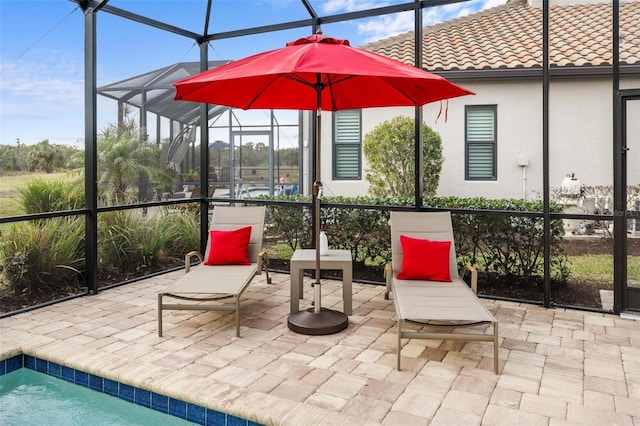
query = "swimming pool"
{"x": 152, "y": 404}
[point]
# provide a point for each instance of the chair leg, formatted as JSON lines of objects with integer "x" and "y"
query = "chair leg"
{"x": 495, "y": 347}
{"x": 237, "y": 316}
{"x": 159, "y": 314}
{"x": 388, "y": 276}
{"x": 399, "y": 341}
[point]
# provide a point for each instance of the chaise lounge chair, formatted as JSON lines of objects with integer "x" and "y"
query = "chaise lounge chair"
{"x": 427, "y": 298}
{"x": 235, "y": 259}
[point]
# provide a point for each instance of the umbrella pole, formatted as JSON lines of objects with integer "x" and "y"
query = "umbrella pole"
{"x": 317, "y": 288}
{"x": 317, "y": 321}
{"x": 317, "y": 194}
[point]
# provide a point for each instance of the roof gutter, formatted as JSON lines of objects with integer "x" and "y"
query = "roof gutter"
{"x": 536, "y": 73}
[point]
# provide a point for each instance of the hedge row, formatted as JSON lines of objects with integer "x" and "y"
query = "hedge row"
{"x": 495, "y": 241}
{"x": 40, "y": 255}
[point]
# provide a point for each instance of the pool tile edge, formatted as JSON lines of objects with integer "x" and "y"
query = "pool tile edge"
{"x": 12, "y": 360}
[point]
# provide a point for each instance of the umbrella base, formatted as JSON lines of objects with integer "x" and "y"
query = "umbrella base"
{"x": 324, "y": 322}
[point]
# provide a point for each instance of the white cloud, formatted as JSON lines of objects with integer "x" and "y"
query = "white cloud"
{"x": 42, "y": 98}
{"x": 457, "y": 10}
{"x": 21, "y": 110}
{"x": 57, "y": 79}
{"x": 341, "y": 6}
{"x": 386, "y": 26}
{"x": 493, "y": 3}
{"x": 55, "y": 90}
{"x": 389, "y": 25}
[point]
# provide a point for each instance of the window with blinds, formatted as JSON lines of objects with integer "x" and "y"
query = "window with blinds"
{"x": 347, "y": 144}
{"x": 480, "y": 142}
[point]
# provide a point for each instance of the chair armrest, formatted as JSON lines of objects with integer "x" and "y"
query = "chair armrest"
{"x": 388, "y": 275}
{"x": 263, "y": 264}
{"x": 474, "y": 276}
{"x": 187, "y": 259}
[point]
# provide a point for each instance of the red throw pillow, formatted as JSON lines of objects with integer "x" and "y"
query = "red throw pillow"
{"x": 424, "y": 260}
{"x": 229, "y": 247}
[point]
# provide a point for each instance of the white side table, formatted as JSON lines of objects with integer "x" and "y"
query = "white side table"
{"x": 306, "y": 259}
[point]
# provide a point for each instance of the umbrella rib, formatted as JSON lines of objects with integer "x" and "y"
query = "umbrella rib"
{"x": 403, "y": 92}
{"x": 297, "y": 79}
{"x": 266, "y": 86}
{"x": 329, "y": 83}
{"x": 333, "y": 83}
{"x": 332, "y": 98}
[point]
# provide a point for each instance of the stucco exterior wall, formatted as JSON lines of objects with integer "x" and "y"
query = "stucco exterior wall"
{"x": 580, "y": 137}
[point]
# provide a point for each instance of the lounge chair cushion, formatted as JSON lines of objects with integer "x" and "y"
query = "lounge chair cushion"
{"x": 424, "y": 259}
{"x": 229, "y": 247}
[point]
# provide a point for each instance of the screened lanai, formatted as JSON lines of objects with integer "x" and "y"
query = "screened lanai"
{"x": 154, "y": 92}
{"x": 534, "y": 146}
{"x": 176, "y": 126}
{"x": 539, "y": 170}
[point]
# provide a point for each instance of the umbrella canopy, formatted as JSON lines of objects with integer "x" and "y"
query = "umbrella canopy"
{"x": 293, "y": 77}
{"x": 218, "y": 145}
{"x": 317, "y": 73}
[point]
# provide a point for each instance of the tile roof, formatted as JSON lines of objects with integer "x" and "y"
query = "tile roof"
{"x": 510, "y": 37}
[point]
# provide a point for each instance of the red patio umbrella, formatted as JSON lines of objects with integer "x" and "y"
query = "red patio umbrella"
{"x": 317, "y": 73}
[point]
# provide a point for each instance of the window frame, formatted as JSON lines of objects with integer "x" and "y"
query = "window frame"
{"x": 335, "y": 145}
{"x": 493, "y": 143}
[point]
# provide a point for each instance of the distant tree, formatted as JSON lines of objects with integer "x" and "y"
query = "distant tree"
{"x": 68, "y": 157}
{"x": 389, "y": 150}
{"x": 21, "y": 153}
{"x": 41, "y": 157}
{"x": 125, "y": 156}
{"x": 247, "y": 155}
{"x": 288, "y": 156}
{"x": 8, "y": 158}
{"x": 261, "y": 148}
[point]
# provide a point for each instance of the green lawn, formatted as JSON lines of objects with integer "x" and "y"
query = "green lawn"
{"x": 9, "y": 186}
{"x": 599, "y": 268}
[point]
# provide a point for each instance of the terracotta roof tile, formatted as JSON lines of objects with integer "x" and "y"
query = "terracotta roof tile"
{"x": 510, "y": 36}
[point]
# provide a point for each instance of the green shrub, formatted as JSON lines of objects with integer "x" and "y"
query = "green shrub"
{"x": 501, "y": 243}
{"x": 42, "y": 255}
{"x": 42, "y": 196}
{"x": 389, "y": 150}
{"x": 290, "y": 223}
{"x": 361, "y": 231}
{"x": 505, "y": 244}
{"x": 183, "y": 231}
{"x": 128, "y": 241}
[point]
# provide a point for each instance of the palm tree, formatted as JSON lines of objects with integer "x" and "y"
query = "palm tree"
{"x": 124, "y": 157}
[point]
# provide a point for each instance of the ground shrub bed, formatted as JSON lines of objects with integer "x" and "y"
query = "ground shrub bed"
{"x": 572, "y": 292}
{"x": 507, "y": 249}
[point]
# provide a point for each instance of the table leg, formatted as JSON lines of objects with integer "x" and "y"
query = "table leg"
{"x": 347, "y": 291}
{"x": 294, "y": 300}
{"x": 301, "y": 282}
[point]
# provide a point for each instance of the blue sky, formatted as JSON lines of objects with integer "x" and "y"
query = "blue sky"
{"x": 41, "y": 50}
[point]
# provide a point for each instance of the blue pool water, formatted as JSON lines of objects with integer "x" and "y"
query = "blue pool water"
{"x": 34, "y": 391}
{"x": 31, "y": 398}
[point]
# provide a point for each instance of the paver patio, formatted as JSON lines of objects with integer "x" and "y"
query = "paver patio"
{"x": 557, "y": 366}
